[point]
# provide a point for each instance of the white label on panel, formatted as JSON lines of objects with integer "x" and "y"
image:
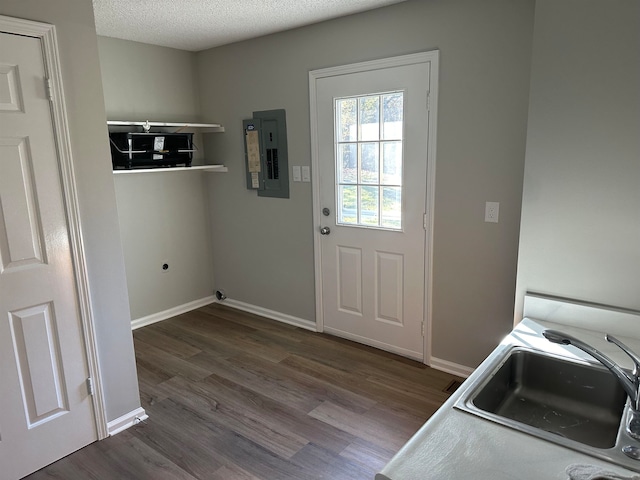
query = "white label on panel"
{"x": 253, "y": 151}
{"x": 158, "y": 144}
{"x": 349, "y": 279}
{"x": 10, "y": 94}
{"x": 20, "y": 226}
{"x": 389, "y": 287}
{"x": 37, "y": 350}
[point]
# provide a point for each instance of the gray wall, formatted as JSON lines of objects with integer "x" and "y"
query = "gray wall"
{"x": 580, "y": 233}
{"x": 147, "y": 82}
{"x": 90, "y": 149}
{"x": 262, "y": 247}
{"x": 163, "y": 216}
{"x": 164, "y": 219}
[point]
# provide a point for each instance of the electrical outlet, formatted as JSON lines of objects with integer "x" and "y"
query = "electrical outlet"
{"x": 491, "y": 212}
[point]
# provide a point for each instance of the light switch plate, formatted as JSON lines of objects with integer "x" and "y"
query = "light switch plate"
{"x": 297, "y": 177}
{"x": 306, "y": 174}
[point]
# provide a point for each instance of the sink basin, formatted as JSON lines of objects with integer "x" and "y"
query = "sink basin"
{"x": 571, "y": 403}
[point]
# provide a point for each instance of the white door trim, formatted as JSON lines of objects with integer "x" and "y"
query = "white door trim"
{"x": 314, "y": 75}
{"x": 47, "y": 35}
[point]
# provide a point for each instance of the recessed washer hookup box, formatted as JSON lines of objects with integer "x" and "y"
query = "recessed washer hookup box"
{"x": 131, "y": 150}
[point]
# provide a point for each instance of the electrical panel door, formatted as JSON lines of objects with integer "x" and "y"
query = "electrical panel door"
{"x": 266, "y": 154}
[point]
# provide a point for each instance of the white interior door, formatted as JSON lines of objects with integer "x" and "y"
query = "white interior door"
{"x": 371, "y": 144}
{"x": 45, "y": 408}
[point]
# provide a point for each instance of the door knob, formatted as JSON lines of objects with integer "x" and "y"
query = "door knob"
{"x": 325, "y": 231}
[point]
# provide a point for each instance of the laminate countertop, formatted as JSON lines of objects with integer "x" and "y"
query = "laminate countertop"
{"x": 456, "y": 445}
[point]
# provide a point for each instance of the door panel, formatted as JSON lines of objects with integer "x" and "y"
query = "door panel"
{"x": 372, "y": 144}
{"x": 10, "y": 96}
{"x": 45, "y": 409}
{"x": 20, "y": 239}
{"x": 36, "y": 346}
{"x": 389, "y": 287}
{"x": 350, "y": 279}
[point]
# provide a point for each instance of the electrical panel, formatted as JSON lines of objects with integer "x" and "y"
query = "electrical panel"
{"x": 266, "y": 155}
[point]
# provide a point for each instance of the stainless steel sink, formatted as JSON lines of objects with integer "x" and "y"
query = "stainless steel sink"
{"x": 578, "y": 405}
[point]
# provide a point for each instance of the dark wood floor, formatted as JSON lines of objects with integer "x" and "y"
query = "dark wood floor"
{"x": 233, "y": 396}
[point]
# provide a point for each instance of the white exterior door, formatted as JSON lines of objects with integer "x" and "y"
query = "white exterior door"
{"x": 371, "y": 147}
{"x": 45, "y": 408}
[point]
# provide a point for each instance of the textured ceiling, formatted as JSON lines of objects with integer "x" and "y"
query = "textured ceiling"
{"x": 200, "y": 24}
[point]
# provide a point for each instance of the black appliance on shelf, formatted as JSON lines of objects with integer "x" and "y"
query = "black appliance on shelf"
{"x": 148, "y": 150}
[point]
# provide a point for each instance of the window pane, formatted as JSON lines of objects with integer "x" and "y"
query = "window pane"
{"x": 348, "y": 163}
{"x": 392, "y": 112}
{"x": 369, "y": 163}
{"x": 369, "y": 118}
{"x": 369, "y": 205}
{"x": 369, "y": 160}
{"x": 347, "y": 204}
{"x": 392, "y": 163}
{"x": 346, "y": 120}
{"x": 391, "y": 207}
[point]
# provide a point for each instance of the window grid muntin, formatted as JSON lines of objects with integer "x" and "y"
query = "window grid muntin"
{"x": 381, "y": 185}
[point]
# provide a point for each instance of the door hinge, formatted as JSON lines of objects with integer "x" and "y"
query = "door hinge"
{"x": 428, "y": 100}
{"x": 424, "y": 221}
{"x": 90, "y": 386}
{"x": 422, "y": 329}
{"x": 49, "y": 88}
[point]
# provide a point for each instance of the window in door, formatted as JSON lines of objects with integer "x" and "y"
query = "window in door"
{"x": 369, "y": 144}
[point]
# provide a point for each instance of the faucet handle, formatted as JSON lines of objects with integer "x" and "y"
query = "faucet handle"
{"x": 633, "y": 424}
{"x": 628, "y": 351}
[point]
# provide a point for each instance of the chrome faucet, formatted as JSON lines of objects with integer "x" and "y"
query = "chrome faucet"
{"x": 630, "y": 382}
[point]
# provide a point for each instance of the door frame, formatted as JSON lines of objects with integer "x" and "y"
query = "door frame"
{"x": 431, "y": 57}
{"x": 46, "y": 33}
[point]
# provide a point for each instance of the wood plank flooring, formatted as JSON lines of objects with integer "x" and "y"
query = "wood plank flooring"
{"x": 233, "y": 396}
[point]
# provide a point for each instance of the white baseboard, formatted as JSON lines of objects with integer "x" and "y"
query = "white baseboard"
{"x": 127, "y": 420}
{"x": 450, "y": 367}
{"x": 172, "y": 312}
{"x": 273, "y": 315}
